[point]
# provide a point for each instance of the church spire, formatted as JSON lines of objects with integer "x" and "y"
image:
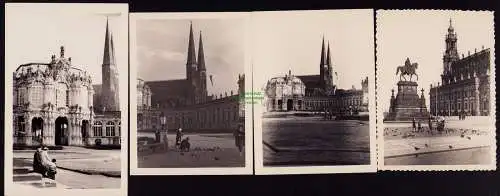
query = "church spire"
{"x": 110, "y": 84}
{"x": 191, "y": 56}
{"x": 109, "y": 50}
{"x": 201, "y": 55}
{"x": 323, "y": 52}
{"x": 328, "y": 58}
{"x": 450, "y": 28}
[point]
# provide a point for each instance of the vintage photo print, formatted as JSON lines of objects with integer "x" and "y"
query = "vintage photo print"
{"x": 314, "y": 85}
{"x": 435, "y": 90}
{"x": 188, "y": 82}
{"x": 66, "y": 69}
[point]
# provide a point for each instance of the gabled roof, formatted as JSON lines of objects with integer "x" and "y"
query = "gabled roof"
{"x": 166, "y": 91}
{"x": 311, "y": 81}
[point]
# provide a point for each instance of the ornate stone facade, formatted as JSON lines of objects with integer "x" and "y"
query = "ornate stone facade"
{"x": 284, "y": 93}
{"x": 465, "y": 82}
{"x": 147, "y": 115}
{"x": 53, "y": 104}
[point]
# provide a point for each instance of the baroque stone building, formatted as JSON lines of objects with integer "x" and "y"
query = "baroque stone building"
{"x": 315, "y": 92}
{"x": 186, "y": 103}
{"x": 465, "y": 82}
{"x": 53, "y": 103}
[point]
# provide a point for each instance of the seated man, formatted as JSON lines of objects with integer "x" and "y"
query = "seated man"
{"x": 37, "y": 161}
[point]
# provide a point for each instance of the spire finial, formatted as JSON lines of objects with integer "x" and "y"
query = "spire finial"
{"x": 62, "y": 51}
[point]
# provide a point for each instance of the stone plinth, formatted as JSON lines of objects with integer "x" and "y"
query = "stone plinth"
{"x": 407, "y": 104}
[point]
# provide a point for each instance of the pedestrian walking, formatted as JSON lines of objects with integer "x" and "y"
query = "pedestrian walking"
{"x": 430, "y": 124}
{"x": 165, "y": 140}
{"x": 419, "y": 126}
{"x": 178, "y": 137}
{"x": 239, "y": 138}
{"x": 157, "y": 136}
{"x": 414, "y": 125}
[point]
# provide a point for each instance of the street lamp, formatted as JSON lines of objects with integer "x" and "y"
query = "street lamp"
{"x": 163, "y": 121}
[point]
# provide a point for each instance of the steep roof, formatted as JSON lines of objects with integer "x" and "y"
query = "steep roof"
{"x": 311, "y": 81}
{"x": 173, "y": 92}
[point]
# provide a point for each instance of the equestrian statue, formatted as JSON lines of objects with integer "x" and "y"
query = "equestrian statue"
{"x": 407, "y": 69}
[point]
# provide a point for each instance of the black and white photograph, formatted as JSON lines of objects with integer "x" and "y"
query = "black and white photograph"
{"x": 314, "y": 83}
{"x": 436, "y": 90}
{"x": 189, "y": 90}
{"x": 66, "y": 69}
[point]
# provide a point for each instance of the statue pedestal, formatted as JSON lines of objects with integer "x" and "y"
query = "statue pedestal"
{"x": 407, "y": 104}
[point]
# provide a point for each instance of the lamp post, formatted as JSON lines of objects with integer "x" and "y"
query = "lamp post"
{"x": 163, "y": 121}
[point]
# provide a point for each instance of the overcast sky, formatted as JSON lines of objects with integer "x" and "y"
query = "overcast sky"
{"x": 35, "y": 32}
{"x": 420, "y": 35}
{"x": 292, "y": 40}
{"x": 162, "y": 46}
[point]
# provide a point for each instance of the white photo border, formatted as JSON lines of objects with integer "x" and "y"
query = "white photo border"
{"x": 260, "y": 169}
{"x": 134, "y": 169}
{"x": 12, "y": 188}
{"x": 380, "y": 125}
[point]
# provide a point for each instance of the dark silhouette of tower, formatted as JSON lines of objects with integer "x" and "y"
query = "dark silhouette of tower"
{"x": 196, "y": 71}
{"x": 326, "y": 70}
{"x": 322, "y": 65}
{"x": 450, "y": 54}
{"x": 110, "y": 82}
{"x": 203, "y": 93}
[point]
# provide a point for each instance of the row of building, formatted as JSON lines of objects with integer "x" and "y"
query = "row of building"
{"x": 315, "y": 92}
{"x": 185, "y": 103}
{"x": 465, "y": 82}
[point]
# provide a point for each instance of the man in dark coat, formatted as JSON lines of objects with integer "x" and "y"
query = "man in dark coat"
{"x": 178, "y": 137}
{"x": 239, "y": 138}
{"x": 414, "y": 125}
{"x": 37, "y": 161}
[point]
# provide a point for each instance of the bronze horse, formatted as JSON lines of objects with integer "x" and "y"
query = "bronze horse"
{"x": 407, "y": 69}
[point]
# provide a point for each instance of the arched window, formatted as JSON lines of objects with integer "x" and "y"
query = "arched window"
{"x": 98, "y": 129}
{"x": 110, "y": 129}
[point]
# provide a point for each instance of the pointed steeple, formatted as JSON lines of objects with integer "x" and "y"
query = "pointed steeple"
{"x": 323, "y": 52}
{"x": 328, "y": 58}
{"x": 201, "y": 55}
{"x": 110, "y": 84}
{"x": 191, "y": 56}
{"x": 450, "y": 28}
{"x": 109, "y": 50}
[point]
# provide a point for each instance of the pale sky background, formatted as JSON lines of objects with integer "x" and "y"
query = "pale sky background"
{"x": 162, "y": 46}
{"x": 292, "y": 40}
{"x": 35, "y": 32}
{"x": 420, "y": 35}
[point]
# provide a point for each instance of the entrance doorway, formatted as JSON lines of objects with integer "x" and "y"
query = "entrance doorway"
{"x": 289, "y": 104}
{"x": 61, "y": 131}
{"x": 85, "y": 130}
{"x": 280, "y": 104}
{"x": 37, "y": 130}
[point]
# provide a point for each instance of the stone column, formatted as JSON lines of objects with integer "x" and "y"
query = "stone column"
{"x": 44, "y": 131}
{"x": 71, "y": 125}
{"x": 27, "y": 129}
{"x": 51, "y": 131}
{"x": 477, "y": 108}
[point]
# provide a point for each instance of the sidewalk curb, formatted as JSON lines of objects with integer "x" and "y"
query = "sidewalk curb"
{"x": 91, "y": 173}
{"x": 435, "y": 151}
